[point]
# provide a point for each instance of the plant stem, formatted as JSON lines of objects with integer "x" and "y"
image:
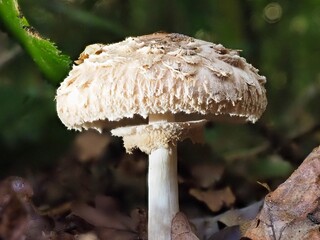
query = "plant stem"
{"x": 163, "y": 187}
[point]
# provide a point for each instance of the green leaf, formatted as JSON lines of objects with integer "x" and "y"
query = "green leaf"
{"x": 270, "y": 167}
{"x": 45, "y": 53}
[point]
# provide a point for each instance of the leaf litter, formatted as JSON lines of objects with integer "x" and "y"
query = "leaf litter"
{"x": 103, "y": 198}
{"x": 292, "y": 211}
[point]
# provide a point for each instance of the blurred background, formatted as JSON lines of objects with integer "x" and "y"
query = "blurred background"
{"x": 280, "y": 38}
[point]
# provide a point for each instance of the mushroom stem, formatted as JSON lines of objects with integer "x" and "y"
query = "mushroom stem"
{"x": 163, "y": 187}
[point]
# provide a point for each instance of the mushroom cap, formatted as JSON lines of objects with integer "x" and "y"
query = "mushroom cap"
{"x": 122, "y": 83}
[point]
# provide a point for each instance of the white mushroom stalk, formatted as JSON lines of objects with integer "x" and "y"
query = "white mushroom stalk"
{"x": 163, "y": 202}
{"x": 159, "y": 140}
{"x": 175, "y": 81}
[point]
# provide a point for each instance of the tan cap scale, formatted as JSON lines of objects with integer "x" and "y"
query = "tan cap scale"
{"x": 174, "y": 81}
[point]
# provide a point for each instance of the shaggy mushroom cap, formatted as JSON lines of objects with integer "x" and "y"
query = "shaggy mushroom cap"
{"x": 159, "y": 73}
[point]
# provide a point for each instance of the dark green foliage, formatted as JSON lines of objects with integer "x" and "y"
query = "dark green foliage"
{"x": 279, "y": 38}
{"x": 49, "y": 59}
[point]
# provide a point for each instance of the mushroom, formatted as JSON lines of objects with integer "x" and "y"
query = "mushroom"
{"x": 177, "y": 83}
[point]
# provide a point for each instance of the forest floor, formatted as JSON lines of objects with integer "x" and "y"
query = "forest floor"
{"x": 97, "y": 191}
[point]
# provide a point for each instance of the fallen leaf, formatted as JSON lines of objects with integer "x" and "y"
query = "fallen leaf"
{"x": 115, "y": 234}
{"x": 230, "y": 233}
{"x": 13, "y": 215}
{"x": 140, "y": 220}
{"x": 208, "y": 227}
{"x": 109, "y": 223}
{"x": 90, "y": 145}
{"x": 292, "y": 210}
{"x": 265, "y": 185}
{"x": 21, "y": 187}
{"x": 87, "y": 236}
{"x": 53, "y": 236}
{"x": 214, "y": 199}
{"x": 207, "y": 174}
{"x": 18, "y": 217}
{"x": 98, "y": 218}
{"x": 181, "y": 229}
{"x": 133, "y": 165}
{"x": 105, "y": 203}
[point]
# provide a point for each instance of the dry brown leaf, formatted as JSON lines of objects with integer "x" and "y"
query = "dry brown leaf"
{"x": 15, "y": 193}
{"x": 105, "y": 203}
{"x": 98, "y": 218}
{"x": 18, "y": 217}
{"x": 181, "y": 229}
{"x": 207, "y": 174}
{"x": 53, "y": 236}
{"x": 87, "y": 236}
{"x": 208, "y": 227}
{"x": 214, "y": 199}
{"x": 90, "y": 145}
{"x": 140, "y": 220}
{"x": 13, "y": 216}
{"x": 228, "y": 233}
{"x": 265, "y": 185}
{"x": 114, "y": 234}
{"x": 110, "y": 223}
{"x": 21, "y": 187}
{"x": 292, "y": 211}
{"x": 133, "y": 165}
